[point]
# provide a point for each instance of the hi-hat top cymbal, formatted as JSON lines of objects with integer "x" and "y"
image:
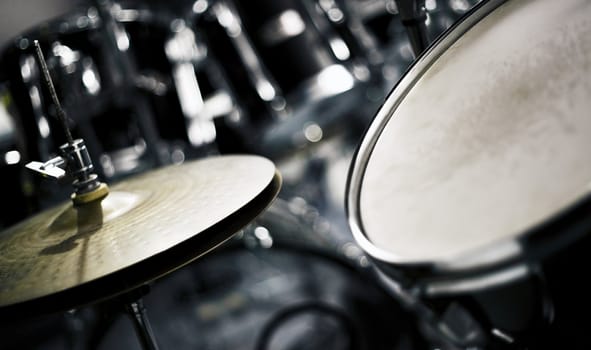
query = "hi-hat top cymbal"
{"x": 146, "y": 227}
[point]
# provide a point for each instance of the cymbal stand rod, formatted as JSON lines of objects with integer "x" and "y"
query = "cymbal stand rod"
{"x": 137, "y": 312}
{"x": 49, "y": 83}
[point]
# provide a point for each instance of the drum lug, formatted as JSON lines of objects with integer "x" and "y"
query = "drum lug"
{"x": 461, "y": 328}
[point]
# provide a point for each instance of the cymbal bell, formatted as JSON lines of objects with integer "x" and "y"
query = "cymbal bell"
{"x": 146, "y": 227}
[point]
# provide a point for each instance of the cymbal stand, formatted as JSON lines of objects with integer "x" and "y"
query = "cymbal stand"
{"x": 137, "y": 312}
{"x": 133, "y": 305}
{"x": 74, "y": 160}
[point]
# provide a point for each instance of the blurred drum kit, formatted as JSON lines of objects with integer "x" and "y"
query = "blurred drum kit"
{"x": 215, "y": 163}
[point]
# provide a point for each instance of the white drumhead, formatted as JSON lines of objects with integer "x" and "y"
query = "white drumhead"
{"x": 493, "y": 139}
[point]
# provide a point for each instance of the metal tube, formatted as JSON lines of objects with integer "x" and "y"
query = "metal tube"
{"x": 413, "y": 16}
{"x": 137, "y": 313}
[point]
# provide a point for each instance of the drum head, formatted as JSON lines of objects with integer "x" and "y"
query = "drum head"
{"x": 485, "y": 138}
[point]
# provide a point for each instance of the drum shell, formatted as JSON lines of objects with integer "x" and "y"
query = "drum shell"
{"x": 304, "y": 54}
{"x": 539, "y": 302}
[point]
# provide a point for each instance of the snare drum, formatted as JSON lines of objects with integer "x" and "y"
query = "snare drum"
{"x": 471, "y": 189}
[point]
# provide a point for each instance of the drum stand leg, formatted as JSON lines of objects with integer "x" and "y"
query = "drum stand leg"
{"x": 137, "y": 313}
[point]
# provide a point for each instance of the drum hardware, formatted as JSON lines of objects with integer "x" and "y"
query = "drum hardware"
{"x": 91, "y": 85}
{"x": 377, "y": 28}
{"x": 413, "y": 16}
{"x": 454, "y": 329}
{"x": 510, "y": 269}
{"x": 94, "y": 248}
{"x": 74, "y": 154}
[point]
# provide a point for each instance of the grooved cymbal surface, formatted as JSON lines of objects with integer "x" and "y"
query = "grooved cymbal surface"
{"x": 146, "y": 220}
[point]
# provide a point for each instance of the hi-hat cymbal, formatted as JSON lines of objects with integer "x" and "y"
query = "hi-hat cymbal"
{"x": 147, "y": 226}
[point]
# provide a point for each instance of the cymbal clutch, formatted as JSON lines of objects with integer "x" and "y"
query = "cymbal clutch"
{"x": 74, "y": 158}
